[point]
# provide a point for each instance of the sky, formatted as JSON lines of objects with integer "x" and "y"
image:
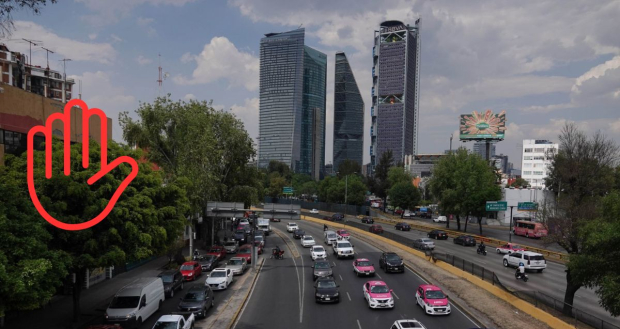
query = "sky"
{"x": 544, "y": 62}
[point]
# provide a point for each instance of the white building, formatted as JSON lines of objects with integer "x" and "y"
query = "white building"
{"x": 535, "y": 161}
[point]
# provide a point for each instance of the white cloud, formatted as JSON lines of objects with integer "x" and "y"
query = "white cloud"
{"x": 248, "y": 113}
{"x": 187, "y": 58}
{"x": 115, "y": 38}
{"x": 92, "y": 36}
{"x": 189, "y": 97}
{"x": 143, "y": 60}
{"x": 145, "y": 25}
{"x": 110, "y": 11}
{"x": 220, "y": 59}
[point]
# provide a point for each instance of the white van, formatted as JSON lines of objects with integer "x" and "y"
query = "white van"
{"x": 135, "y": 302}
{"x": 264, "y": 225}
{"x": 330, "y": 237}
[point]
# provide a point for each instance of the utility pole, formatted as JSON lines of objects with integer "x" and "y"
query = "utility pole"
{"x": 64, "y": 87}
{"x": 451, "y": 135}
{"x": 160, "y": 80}
{"x": 510, "y": 228}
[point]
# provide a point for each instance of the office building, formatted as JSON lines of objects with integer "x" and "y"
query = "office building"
{"x": 421, "y": 165}
{"x": 535, "y": 161}
{"x": 480, "y": 148}
{"x": 348, "y": 115}
{"x": 395, "y": 91}
{"x": 292, "y": 91}
{"x": 501, "y": 163}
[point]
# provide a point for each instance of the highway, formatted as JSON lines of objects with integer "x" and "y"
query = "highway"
{"x": 552, "y": 281}
{"x": 284, "y": 296}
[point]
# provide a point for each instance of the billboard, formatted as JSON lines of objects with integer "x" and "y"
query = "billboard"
{"x": 483, "y": 126}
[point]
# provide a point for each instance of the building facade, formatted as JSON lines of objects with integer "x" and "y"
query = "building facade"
{"x": 480, "y": 148}
{"x": 348, "y": 115}
{"x": 535, "y": 161}
{"x": 312, "y": 158}
{"x": 421, "y": 165}
{"x": 501, "y": 163}
{"x": 396, "y": 90}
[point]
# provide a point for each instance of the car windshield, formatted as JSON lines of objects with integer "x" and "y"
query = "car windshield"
{"x": 235, "y": 262}
{"x": 344, "y": 245}
{"x": 208, "y": 258}
{"x": 240, "y": 232}
{"x": 125, "y": 302}
{"x": 363, "y": 263}
{"x": 194, "y": 295}
{"x": 319, "y": 249}
{"x": 187, "y": 267}
{"x": 167, "y": 278}
{"x": 516, "y": 246}
{"x": 537, "y": 257}
{"x": 331, "y": 236}
{"x": 426, "y": 240}
{"x": 165, "y": 325}
{"x": 344, "y": 232}
{"x": 229, "y": 244}
{"x": 435, "y": 294}
{"x": 308, "y": 238}
{"x": 258, "y": 238}
{"x": 244, "y": 251}
{"x": 326, "y": 284}
{"x": 321, "y": 265}
{"x": 379, "y": 289}
{"x": 218, "y": 274}
{"x": 392, "y": 257}
{"x": 214, "y": 250}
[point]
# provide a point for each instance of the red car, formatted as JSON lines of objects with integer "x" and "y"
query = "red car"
{"x": 245, "y": 251}
{"x": 191, "y": 270}
{"x": 275, "y": 220}
{"x": 344, "y": 234}
{"x": 509, "y": 248}
{"x": 219, "y": 251}
{"x": 376, "y": 228}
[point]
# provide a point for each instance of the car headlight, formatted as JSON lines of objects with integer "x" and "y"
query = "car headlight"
{"x": 131, "y": 315}
{"x": 429, "y": 304}
{"x": 336, "y": 294}
{"x": 190, "y": 274}
{"x": 317, "y": 295}
{"x": 372, "y": 300}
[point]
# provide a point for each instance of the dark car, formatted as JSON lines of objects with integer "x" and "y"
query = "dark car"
{"x": 391, "y": 262}
{"x": 321, "y": 268}
{"x": 337, "y": 217}
{"x": 208, "y": 262}
{"x": 299, "y": 233}
{"x": 465, "y": 240}
{"x": 402, "y": 226}
{"x": 198, "y": 300}
{"x": 438, "y": 235}
{"x": 376, "y": 228}
{"x": 326, "y": 290}
{"x": 425, "y": 214}
{"x": 367, "y": 220}
{"x": 240, "y": 236}
{"x": 173, "y": 280}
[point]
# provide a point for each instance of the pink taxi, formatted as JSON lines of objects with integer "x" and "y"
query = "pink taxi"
{"x": 378, "y": 295}
{"x": 432, "y": 300}
{"x": 363, "y": 266}
{"x": 344, "y": 234}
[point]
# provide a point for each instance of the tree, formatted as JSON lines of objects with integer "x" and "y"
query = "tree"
{"x": 581, "y": 173}
{"x": 355, "y": 190}
{"x": 276, "y": 185}
{"x": 281, "y": 168}
{"x": 309, "y": 189}
{"x": 381, "y": 184}
{"x": 298, "y": 180}
{"x": 404, "y": 195}
{"x": 7, "y": 7}
{"x": 480, "y": 186}
{"x": 398, "y": 175}
{"x": 349, "y": 167}
{"x": 518, "y": 183}
{"x": 444, "y": 184}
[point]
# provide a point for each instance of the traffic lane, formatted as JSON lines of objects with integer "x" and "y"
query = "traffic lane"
{"x": 403, "y": 284}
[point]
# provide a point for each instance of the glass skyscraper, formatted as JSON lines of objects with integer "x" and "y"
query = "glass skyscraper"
{"x": 312, "y": 160}
{"x": 348, "y": 115}
{"x": 395, "y": 91}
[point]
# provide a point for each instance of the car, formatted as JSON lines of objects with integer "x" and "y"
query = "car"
{"x": 378, "y": 295}
{"x": 291, "y": 227}
{"x": 208, "y": 262}
{"x": 314, "y": 211}
{"x": 367, "y": 220}
{"x": 191, "y": 270}
{"x": 407, "y": 323}
{"x": 424, "y": 244}
{"x": 318, "y": 252}
{"x": 363, "y": 266}
{"x": 509, "y": 248}
{"x": 408, "y": 214}
{"x": 438, "y": 235}
{"x": 244, "y": 221}
{"x": 427, "y": 214}
{"x": 391, "y": 262}
{"x": 399, "y": 211}
{"x": 440, "y": 219}
{"x": 261, "y": 240}
{"x": 465, "y": 240}
{"x": 321, "y": 268}
{"x": 231, "y": 246}
{"x": 375, "y": 228}
{"x": 275, "y": 220}
{"x": 218, "y": 251}
{"x": 198, "y": 300}
{"x": 238, "y": 265}
{"x": 343, "y": 249}
{"x": 173, "y": 280}
{"x": 299, "y": 233}
{"x": 343, "y": 234}
{"x": 245, "y": 251}
{"x": 531, "y": 260}
{"x": 402, "y": 226}
{"x": 432, "y": 300}
{"x": 219, "y": 278}
{"x": 174, "y": 321}
{"x": 335, "y": 217}
{"x": 307, "y": 241}
{"x": 326, "y": 290}
{"x": 240, "y": 236}
{"x": 330, "y": 237}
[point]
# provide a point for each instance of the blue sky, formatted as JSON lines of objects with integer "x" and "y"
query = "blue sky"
{"x": 542, "y": 62}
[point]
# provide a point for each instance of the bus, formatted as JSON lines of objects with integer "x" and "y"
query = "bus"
{"x": 529, "y": 229}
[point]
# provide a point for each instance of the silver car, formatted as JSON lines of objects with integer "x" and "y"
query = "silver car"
{"x": 424, "y": 244}
{"x": 321, "y": 268}
{"x": 237, "y": 265}
{"x": 231, "y": 247}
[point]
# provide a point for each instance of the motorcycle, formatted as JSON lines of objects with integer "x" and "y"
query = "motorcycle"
{"x": 481, "y": 251}
{"x": 520, "y": 276}
{"x": 277, "y": 254}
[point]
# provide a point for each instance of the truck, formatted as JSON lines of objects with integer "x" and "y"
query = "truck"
{"x": 263, "y": 225}
{"x": 175, "y": 321}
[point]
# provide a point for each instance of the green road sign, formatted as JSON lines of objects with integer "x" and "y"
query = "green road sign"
{"x": 527, "y": 206}
{"x": 497, "y": 205}
{"x": 287, "y": 190}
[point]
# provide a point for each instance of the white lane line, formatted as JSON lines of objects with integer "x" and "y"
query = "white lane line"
{"x": 458, "y": 309}
{"x": 300, "y": 282}
{"x": 416, "y": 274}
{"x": 395, "y": 295}
{"x": 249, "y": 297}
{"x": 379, "y": 275}
{"x": 358, "y": 324}
{"x": 341, "y": 279}
{"x": 334, "y": 263}
{"x": 349, "y": 296}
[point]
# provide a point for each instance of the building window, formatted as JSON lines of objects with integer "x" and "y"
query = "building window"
{"x": 527, "y": 158}
{"x": 539, "y": 150}
{"x": 527, "y": 173}
{"x": 14, "y": 143}
{"x": 527, "y": 165}
{"x": 527, "y": 150}
{"x": 539, "y": 173}
{"x": 539, "y": 158}
{"x": 1, "y": 136}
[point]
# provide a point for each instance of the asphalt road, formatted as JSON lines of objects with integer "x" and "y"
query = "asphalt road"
{"x": 284, "y": 296}
{"x": 551, "y": 282}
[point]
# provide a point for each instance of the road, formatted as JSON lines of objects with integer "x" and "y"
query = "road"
{"x": 552, "y": 281}
{"x": 284, "y": 296}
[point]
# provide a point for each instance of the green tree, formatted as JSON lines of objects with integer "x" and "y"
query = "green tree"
{"x": 444, "y": 184}
{"x": 349, "y": 167}
{"x": 381, "y": 184}
{"x": 281, "y": 168}
{"x": 324, "y": 187}
{"x": 298, "y": 180}
{"x": 398, "y": 175}
{"x": 519, "y": 182}
{"x": 309, "y": 188}
{"x": 480, "y": 186}
{"x": 276, "y": 185}
{"x": 355, "y": 190}
{"x": 405, "y": 195}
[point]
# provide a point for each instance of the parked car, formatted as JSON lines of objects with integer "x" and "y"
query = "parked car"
{"x": 218, "y": 251}
{"x": 219, "y": 278}
{"x": 231, "y": 246}
{"x": 291, "y": 227}
{"x": 378, "y": 295}
{"x": 391, "y": 262}
{"x": 375, "y": 228}
{"x": 136, "y": 302}
{"x": 438, "y": 235}
{"x": 245, "y": 251}
{"x": 367, "y": 220}
{"x": 238, "y": 265}
{"x": 424, "y": 244}
{"x": 208, "y": 262}
{"x": 465, "y": 240}
{"x": 321, "y": 268}
{"x": 307, "y": 241}
{"x": 175, "y": 321}
{"x": 407, "y": 323}
{"x": 531, "y": 260}
{"x": 440, "y": 219}
{"x": 198, "y": 300}
{"x": 317, "y": 251}
{"x": 432, "y": 300}
{"x": 343, "y": 234}
{"x": 326, "y": 290}
{"x": 173, "y": 280}
{"x": 402, "y": 226}
{"x": 509, "y": 248}
{"x": 408, "y": 214}
{"x": 363, "y": 266}
{"x": 314, "y": 211}
{"x": 299, "y": 233}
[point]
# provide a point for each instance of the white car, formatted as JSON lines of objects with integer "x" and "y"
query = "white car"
{"x": 314, "y": 211}
{"x": 317, "y": 252}
{"x": 343, "y": 249}
{"x": 219, "y": 278}
{"x": 330, "y": 237}
{"x": 291, "y": 227}
{"x": 531, "y": 260}
{"x": 440, "y": 219}
{"x": 403, "y": 324}
{"x": 307, "y": 241}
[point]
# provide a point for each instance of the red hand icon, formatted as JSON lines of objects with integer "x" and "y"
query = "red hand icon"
{"x": 46, "y": 130}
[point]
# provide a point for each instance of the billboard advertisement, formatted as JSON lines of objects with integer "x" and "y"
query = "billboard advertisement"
{"x": 483, "y": 126}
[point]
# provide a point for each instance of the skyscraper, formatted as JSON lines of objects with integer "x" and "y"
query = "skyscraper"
{"x": 536, "y": 159}
{"x": 292, "y": 90}
{"x": 480, "y": 148}
{"x": 395, "y": 91}
{"x": 348, "y": 115}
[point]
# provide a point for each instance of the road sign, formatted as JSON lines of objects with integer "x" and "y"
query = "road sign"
{"x": 497, "y": 205}
{"x": 287, "y": 190}
{"x": 527, "y": 206}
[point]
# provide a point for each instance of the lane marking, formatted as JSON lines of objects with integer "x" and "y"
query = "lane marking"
{"x": 379, "y": 275}
{"x": 300, "y": 282}
{"x": 358, "y": 324}
{"x": 349, "y": 296}
{"x": 395, "y": 295}
{"x": 247, "y": 302}
{"x": 341, "y": 279}
{"x": 334, "y": 264}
